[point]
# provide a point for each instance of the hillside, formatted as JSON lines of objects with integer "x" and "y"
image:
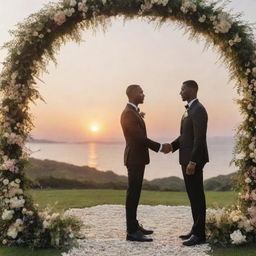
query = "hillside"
{"x": 53, "y": 174}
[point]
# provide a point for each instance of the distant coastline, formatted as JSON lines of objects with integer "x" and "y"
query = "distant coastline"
{"x": 49, "y": 174}
{"x": 48, "y": 141}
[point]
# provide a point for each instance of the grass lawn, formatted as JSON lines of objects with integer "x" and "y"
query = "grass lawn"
{"x": 89, "y": 197}
{"x": 5, "y": 251}
{"x": 248, "y": 250}
{"x": 85, "y": 198}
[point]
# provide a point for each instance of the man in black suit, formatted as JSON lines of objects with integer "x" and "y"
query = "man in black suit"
{"x": 136, "y": 156}
{"x": 193, "y": 155}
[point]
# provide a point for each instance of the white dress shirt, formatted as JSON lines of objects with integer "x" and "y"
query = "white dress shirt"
{"x": 191, "y": 102}
{"x": 136, "y": 107}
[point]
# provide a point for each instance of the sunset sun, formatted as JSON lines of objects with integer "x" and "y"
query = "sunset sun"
{"x": 94, "y": 128}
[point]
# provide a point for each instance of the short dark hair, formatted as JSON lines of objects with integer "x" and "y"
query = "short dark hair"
{"x": 130, "y": 89}
{"x": 192, "y": 84}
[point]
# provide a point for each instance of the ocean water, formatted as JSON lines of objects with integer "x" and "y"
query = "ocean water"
{"x": 109, "y": 156}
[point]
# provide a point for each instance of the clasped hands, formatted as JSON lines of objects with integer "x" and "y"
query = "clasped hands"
{"x": 166, "y": 148}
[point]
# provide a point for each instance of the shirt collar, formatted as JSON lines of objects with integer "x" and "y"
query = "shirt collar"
{"x": 191, "y": 102}
{"x": 136, "y": 108}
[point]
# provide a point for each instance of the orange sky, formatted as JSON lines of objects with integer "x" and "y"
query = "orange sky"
{"x": 88, "y": 85}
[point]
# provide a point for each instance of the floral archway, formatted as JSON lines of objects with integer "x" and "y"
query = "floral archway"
{"x": 36, "y": 41}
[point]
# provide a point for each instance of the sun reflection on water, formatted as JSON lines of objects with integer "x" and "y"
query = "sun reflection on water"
{"x": 92, "y": 157}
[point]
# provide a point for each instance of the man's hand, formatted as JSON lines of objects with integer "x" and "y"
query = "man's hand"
{"x": 191, "y": 168}
{"x": 166, "y": 148}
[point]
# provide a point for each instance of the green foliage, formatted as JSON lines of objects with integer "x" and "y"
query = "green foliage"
{"x": 49, "y": 174}
{"x": 37, "y": 40}
{"x": 220, "y": 183}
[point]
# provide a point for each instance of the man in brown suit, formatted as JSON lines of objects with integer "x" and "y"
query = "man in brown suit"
{"x": 136, "y": 156}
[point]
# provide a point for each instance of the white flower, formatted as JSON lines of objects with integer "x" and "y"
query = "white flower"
{"x": 248, "y": 71}
{"x": 104, "y": 2}
{"x": 54, "y": 216}
{"x": 222, "y": 24}
{"x": 252, "y": 146}
{"x": 46, "y": 224}
{"x": 72, "y": 3}
{"x": 13, "y": 184}
{"x": 202, "y": 19}
{"x": 9, "y": 164}
{"x": 250, "y": 107}
{"x": 254, "y": 71}
{"x": 245, "y": 224}
{"x": 13, "y": 138}
{"x": 15, "y": 191}
{"x": 35, "y": 33}
{"x": 5, "y": 182}
{"x": 253, "y": 155}
{"x": 248, "y": 180}
{"x": 60, "y": 18}
{"x": 7, "y": 214}
{"x": 236, "y": 218}
{"x": 12, "y": 232}
{"x": 163, "y": 2}
{"x": 82, "y": 7}
{"x": 248, "y": 226}
{"x": 69, "y": 12}
{"x": 247, "y": 196}
{"x": 146, "y": 6}
{"x": 188, "y": 5}
{"x": 212, "y": 18}
{"x": 18, "y": 222}
{"x": 253, "y": 195}
{"x": 237, "y": 39}
{"x": 231, "y": 42}
{"x": 19, "y": 225}
{"x": 237, "y": 237}
{"x": 15, "y": 202}
{"x": 29, "y": 213}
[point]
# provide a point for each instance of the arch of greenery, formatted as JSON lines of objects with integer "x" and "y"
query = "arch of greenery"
{"x": 35, "y": 42}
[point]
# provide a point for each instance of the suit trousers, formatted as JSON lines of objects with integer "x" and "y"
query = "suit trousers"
{"x": 135, "y": 179}
{"x": 195, "y": 190}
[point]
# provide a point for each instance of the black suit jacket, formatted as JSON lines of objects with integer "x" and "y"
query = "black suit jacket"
{"x": 137, "y": 144}
{"x": 192, "y": 140}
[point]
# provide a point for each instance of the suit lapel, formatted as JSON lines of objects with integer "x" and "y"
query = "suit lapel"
{"x": 188, "y": 110}
{"x": 193, "y": 105}
{"x": 137, "y": 114}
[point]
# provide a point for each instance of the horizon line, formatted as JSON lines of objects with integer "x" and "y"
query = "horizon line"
{"x": 105, "y": 141}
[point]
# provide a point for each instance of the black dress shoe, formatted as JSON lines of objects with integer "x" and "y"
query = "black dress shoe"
{"x": 138, "y": 236}
{"x": 145, "y": 231}
{"x": 193, "y": 240}
{"x": 185, "y": 237}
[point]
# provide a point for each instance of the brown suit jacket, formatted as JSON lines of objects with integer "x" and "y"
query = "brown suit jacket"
{"x": 137, "y": 144}
{"x": 192, "y": 143}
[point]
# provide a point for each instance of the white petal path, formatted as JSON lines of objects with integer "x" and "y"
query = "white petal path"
{"x": 105, "y": 232}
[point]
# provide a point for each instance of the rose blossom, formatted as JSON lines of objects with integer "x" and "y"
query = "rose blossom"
{"x": 60, "y": 18}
